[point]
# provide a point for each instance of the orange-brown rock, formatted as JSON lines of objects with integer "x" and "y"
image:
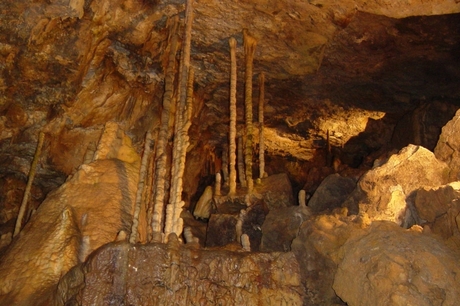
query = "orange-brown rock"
{"x": 86, "y": 212}
{"x": 159, "y": 274}
{"x": 387, "y": 265}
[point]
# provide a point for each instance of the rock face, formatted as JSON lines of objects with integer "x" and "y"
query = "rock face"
{"x": 281, "y": 226}
{"x": 439, "y": 209}
{"x": 331, "y": 193}
{"x": 387, "y": 265}
{"x": 154, "y": 274}
{"x": 385, "y": 191}
{"x": 317, "y": 248}
{"x": 87, "y": 211}
{"x": 448, "y": 147}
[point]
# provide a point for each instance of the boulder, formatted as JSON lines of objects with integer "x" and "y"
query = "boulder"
{"x": 438, "y": 208}
{"x": 281, "y": 227}
{"x": 276, "y": 191}
{"x": 385, "y": 191}
{"x": 448, "y": 147}
{"x": 331, "y": 193}
{"x": 317, "y": 249}
{"x": 388, "y": 265}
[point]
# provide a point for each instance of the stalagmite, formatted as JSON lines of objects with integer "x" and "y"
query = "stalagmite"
{"x": 241, "y": 162}
{"x": 33, "y": 169}
{"x": 204, "y": 205}
{"x": 302, "y": 198}
{"x": 249, "y": 48}
{"x": 245, "y": 243}
{"x": 159, "y": 185}
{"x": 232, "y": 134}
{"x": 140, "y": 187}
{"x": 261, "y": 126}
{"x": 217, "y": 186}
{"x": 239, "y": 224}
{"x": 182, "y": 123}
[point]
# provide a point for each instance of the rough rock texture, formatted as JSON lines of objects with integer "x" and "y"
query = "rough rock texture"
{"x": 348, "y": 67}
{"x": 87, "y": 211}
{"x": 385, "y": 191}
{"x": 331, "y": 193}
{"x": 271, "y": 193}
{"x": 276, "y": 191}
{"x": 281, "y": 226}
{"x": 317, "y": 247}
{"x": 155, "y": 274}
{"x": 387, "y": 265}
{"x": 448, "y": 147}
{"x": 439, "y": 209}
{"x": 221, "y": 230}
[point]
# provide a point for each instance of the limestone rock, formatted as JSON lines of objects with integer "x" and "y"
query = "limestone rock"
{"x": 281, "y": 227}
{"x": 438, "y": 208}
{"x": 276, "y": 191}
{"x": 158, "y": 274}
{"x": 221, "y": 230}
{"x": 387, "y": 265}
{"x": 448, "y": 147}
{"x": 87, "y": 211}
{"x": 331, "y": 193}
{"x": 317, "y": 248}
{"x": 384, "y": 192}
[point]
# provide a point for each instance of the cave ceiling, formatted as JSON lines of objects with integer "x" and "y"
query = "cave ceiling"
{"x": 335, "y": 67}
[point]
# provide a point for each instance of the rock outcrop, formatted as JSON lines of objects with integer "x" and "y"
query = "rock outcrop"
{"x": 86, "y": 212}
{"x": 386, "y": 192}
{"x": 159, "y": 274}
{"x": 448, "y": 147}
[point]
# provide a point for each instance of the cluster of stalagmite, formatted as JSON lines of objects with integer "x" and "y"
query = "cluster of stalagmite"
{"x": 244, "y": 149}
{"x": 180, "y": 113}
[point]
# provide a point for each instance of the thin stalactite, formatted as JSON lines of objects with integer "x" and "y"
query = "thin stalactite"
{"x": 33, "y": 170}
{"x": 161, "y": 153}
{"x": 232, "y": 133}
{"x": 140, "y": 187}
{"x": 261, "y": 126}
{"x": 180, "y": 136}
{"x": 249, "y": 48}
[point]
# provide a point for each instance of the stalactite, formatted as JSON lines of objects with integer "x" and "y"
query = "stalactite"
{"x": 328, "y": 150}
{"x": 161, "y": 157}
{"x": 148, "y": 193}
{"x": 261, "y": 126}
{"x": 249, "y": 48}
{"x": 180, "y": 158}
{"x": 241, "y": 162}
{"x": 232, "y": 133}
{"x": 140, "y": 187}
{"x": 33, "y": 169}
{"x": 183, "y": 115}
